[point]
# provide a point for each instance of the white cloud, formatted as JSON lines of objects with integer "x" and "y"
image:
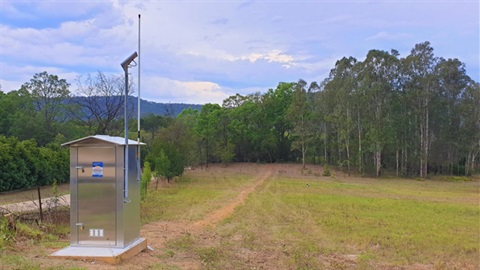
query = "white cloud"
{"x": 388, "y": 36}
{"x": 272, "y": 56}
{"x": 8, "y": 86}
{"x": 18, "y": 75}
{"x": 194, "y": 92}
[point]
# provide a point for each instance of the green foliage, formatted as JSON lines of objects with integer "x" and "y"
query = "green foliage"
{"x": 458, "y": 179}
{"x": 23, "y": 164}
{"x": 153, "y": 123}
{"x": 48, "y": 92}
{"x": 227, "y": 154}
{"x": 7, "y": 234}
{"x": 29, "y": 232}
{"x": 165, "y": 160}
{"x": 145, "y": 181}
{"x": 161, "y": 165}
{"x": 210, "y": 256}
{"x": 326, "y": 170}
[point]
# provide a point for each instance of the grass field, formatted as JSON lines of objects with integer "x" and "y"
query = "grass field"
{"x": 195, "y": 194}
{"x": 302, "y": 222}
{"x": 295, "y": 219}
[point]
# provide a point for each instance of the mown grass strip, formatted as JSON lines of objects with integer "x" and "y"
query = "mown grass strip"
{"x": 371, "y": 221}
{"x": 190, "y": 198}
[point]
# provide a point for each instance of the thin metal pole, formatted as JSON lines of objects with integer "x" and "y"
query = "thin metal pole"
{"x": 139, "y": 173}
{"x": 125, "y": 183}
{"x": 124, "y": 65}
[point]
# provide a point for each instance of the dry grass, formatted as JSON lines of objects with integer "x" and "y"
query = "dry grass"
{"x": 32, "y": 194}
{"x": 299, "y": 219}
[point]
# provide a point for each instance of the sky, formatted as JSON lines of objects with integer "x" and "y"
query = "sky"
{"x": 200, "y": 52}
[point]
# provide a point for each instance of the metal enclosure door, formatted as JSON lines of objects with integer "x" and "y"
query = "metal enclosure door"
{"x": 96, "y": 189}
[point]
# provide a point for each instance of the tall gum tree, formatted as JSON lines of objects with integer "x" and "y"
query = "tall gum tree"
{"x": 275, "y": 105}
{"x": 49, "y": 93}
{"x": 376, "y": 79}
{"x": 447, "y": 119}
{"x": 421, "y": 84}
{"x": 339, "y": 95}
{"x": 99, "y": 103}
{"x": 299, "y": 113}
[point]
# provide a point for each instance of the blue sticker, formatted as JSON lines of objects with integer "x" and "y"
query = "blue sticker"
{"x": 97, "y": 169}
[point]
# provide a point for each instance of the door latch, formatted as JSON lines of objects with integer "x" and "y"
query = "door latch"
{"x": 80, "y": 167}
{"x": 82, "y": 227}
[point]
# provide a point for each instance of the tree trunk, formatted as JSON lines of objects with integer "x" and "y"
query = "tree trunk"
{"x": 427, "y": 142}
{"x": 304, "y": 150}
{"x": 325, "y": 144}
{"x": 378, "y": 162}
{"x": 467, "y": 163}
{"x": 339, "y": 148}
{"x": 40, "y": 203}
{"x": 396, "y": 159}
{"x": 474, "y": 155}
{"x": 421, "y": 149}
{"x": 359, "y": 145}
{"x": 206, "y": 154}
{"x": 348, "y": 155}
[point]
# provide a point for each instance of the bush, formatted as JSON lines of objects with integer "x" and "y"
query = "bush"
{"x": 7, "y": 233}
{"x": 146, "y": 178}
{"x": 457, "y": 179}
{"x": 24, "y": 165}
{"x": 165, "y": 160}
{"x": 326, "y": 170}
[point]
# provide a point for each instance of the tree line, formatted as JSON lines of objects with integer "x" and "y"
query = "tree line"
{"x": 411, "y": 116}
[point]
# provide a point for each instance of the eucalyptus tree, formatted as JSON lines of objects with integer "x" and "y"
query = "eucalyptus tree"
{"x": 339, "y": 98}
{"x": 22, "y": 119}
{"x": 446, "y": 121}
{"x": 239, "y": 108}
{"x": 17, "y": 109}
{"x": 299, "y": 113}
{"x": 182, "y": 137}
{"x": 49, "y": 93}
{"x": 378, "y": 73}
{"x": 316, "y": 122}
{"x": 251, "y": 130}
{"x": 152, "y": 123}
{"x": 98, "y": 103}
{"x": 470, "y": 125}
{"x": 189, "y": 118}
{"x": 421, "y": 85}
{"x": 275, "y": 104}
{"x": 207, "y": 129}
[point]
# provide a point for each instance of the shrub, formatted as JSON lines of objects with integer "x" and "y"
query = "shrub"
{"x": 326, "y": 170}
{"x": 146, "y": 178}
{"x": 7, "y": 233}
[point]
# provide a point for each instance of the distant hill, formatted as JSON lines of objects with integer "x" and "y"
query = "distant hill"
{"x": 150, "y": 107}
{"x": 169, "y": 109}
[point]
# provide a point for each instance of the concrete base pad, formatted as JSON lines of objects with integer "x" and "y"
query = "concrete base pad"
{"x": 103, "y": 254}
